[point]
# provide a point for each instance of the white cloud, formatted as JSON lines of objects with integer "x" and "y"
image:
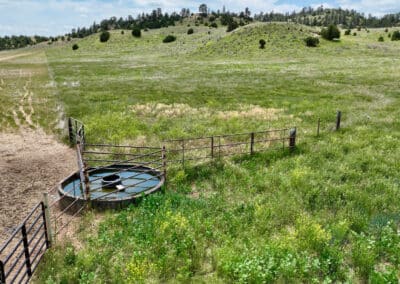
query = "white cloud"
{"x": 374, "y": 7}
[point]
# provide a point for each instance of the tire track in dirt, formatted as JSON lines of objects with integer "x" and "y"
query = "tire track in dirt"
{"x": 15, "y": 56}
{"x": 26, "y": 98}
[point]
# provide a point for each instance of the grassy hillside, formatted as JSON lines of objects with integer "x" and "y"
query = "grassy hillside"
{"x": 327, "y": 212}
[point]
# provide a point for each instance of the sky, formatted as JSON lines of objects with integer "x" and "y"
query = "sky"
{"x": 56, "y": 17}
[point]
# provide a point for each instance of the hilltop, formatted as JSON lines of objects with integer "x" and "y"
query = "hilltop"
{"x": 157, "y": 19}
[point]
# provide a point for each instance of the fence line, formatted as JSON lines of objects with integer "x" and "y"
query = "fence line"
{"x": 186, "y": 150}
{"x": 21, "y": 253}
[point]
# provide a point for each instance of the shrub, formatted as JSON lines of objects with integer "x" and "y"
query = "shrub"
{"x": 190, "y": 31}
{"x": 386, "y": 30}
{"x": 214, "y": 25}
{"x": 75, "y": 47}
{"x": 389, "y": 35}
{"x": 233, "y": 25}
{"x": 381, "y": 39}
{"x": 104, "y": 36}
{"x": 347, "y": 32}
{"x": 169, "y": 38}
{"x": 122, "y": 32}
{"x": 311, "y": 41}
{"x": 262, "y": 43}
{"x": 212, "y": 18}
{"x": 331, "y": 33}
{"x": 355, "y": 34}
{"x": 359, "y": 29}
{"x": 396, "y": 35}
{"x": 136, "y": 32}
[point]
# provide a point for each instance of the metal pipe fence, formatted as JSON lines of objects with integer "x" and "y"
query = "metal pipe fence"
{"x": 76, "y": 131}
{"x": 21, "y": 253}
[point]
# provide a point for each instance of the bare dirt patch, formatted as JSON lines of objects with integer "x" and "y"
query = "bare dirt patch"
{"x": 31, "y": 162}
{"x": 14, "y": 56}
{"x": 180, "y": 110}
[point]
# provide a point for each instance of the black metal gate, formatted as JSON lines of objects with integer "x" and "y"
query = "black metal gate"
{"x": 22, "y": 252}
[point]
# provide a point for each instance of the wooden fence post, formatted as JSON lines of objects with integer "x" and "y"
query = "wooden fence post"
{"x": 26, "y": 251}
{"x": 2, "y": 274}
{"x": 252, "y": 143}
{"x": 46, "y": 219}
{"x": 318, "y": 127}
{"x": 338, "y": 119}
{"x": 292, "y": 138}
{"x": 212, "y": 147}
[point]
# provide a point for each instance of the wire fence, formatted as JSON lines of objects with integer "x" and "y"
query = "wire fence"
{"x": 195, "y": 150}
{"x": 22, "y": 252}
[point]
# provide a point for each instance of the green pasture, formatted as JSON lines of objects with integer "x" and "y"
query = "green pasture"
{"x": 328, "y": 212}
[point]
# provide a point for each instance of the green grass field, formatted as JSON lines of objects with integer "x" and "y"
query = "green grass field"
{"x": 328, "y": 212}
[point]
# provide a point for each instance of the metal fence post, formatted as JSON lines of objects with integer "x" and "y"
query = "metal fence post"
{"x": 46, "y": 220}
{"x": 283, "y": 137}
{"x": 164, "y": 161}
{"x": 212, "y": 147}
{"x": 87, "y": 181}
{"x": 292, "y": 138}
{"x": 83, "y": 137}
{"x": 338, "y": 119}
{"x": 252, "y": 143}
{"x": 219, "y": 147}
{"x": 183, "y": 153}
{"x": 76, "y": 128}
{"x": 26, "y": 251}
{"x": 2, "y": 274}
{"x": 70, "y": 131}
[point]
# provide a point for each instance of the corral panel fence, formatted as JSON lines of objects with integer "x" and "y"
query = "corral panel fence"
{"x": 120, "y": 159}
{"x": 21, "y": 253}
{"x": 76, "y": 131}
{"x": 99, "y": 155}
